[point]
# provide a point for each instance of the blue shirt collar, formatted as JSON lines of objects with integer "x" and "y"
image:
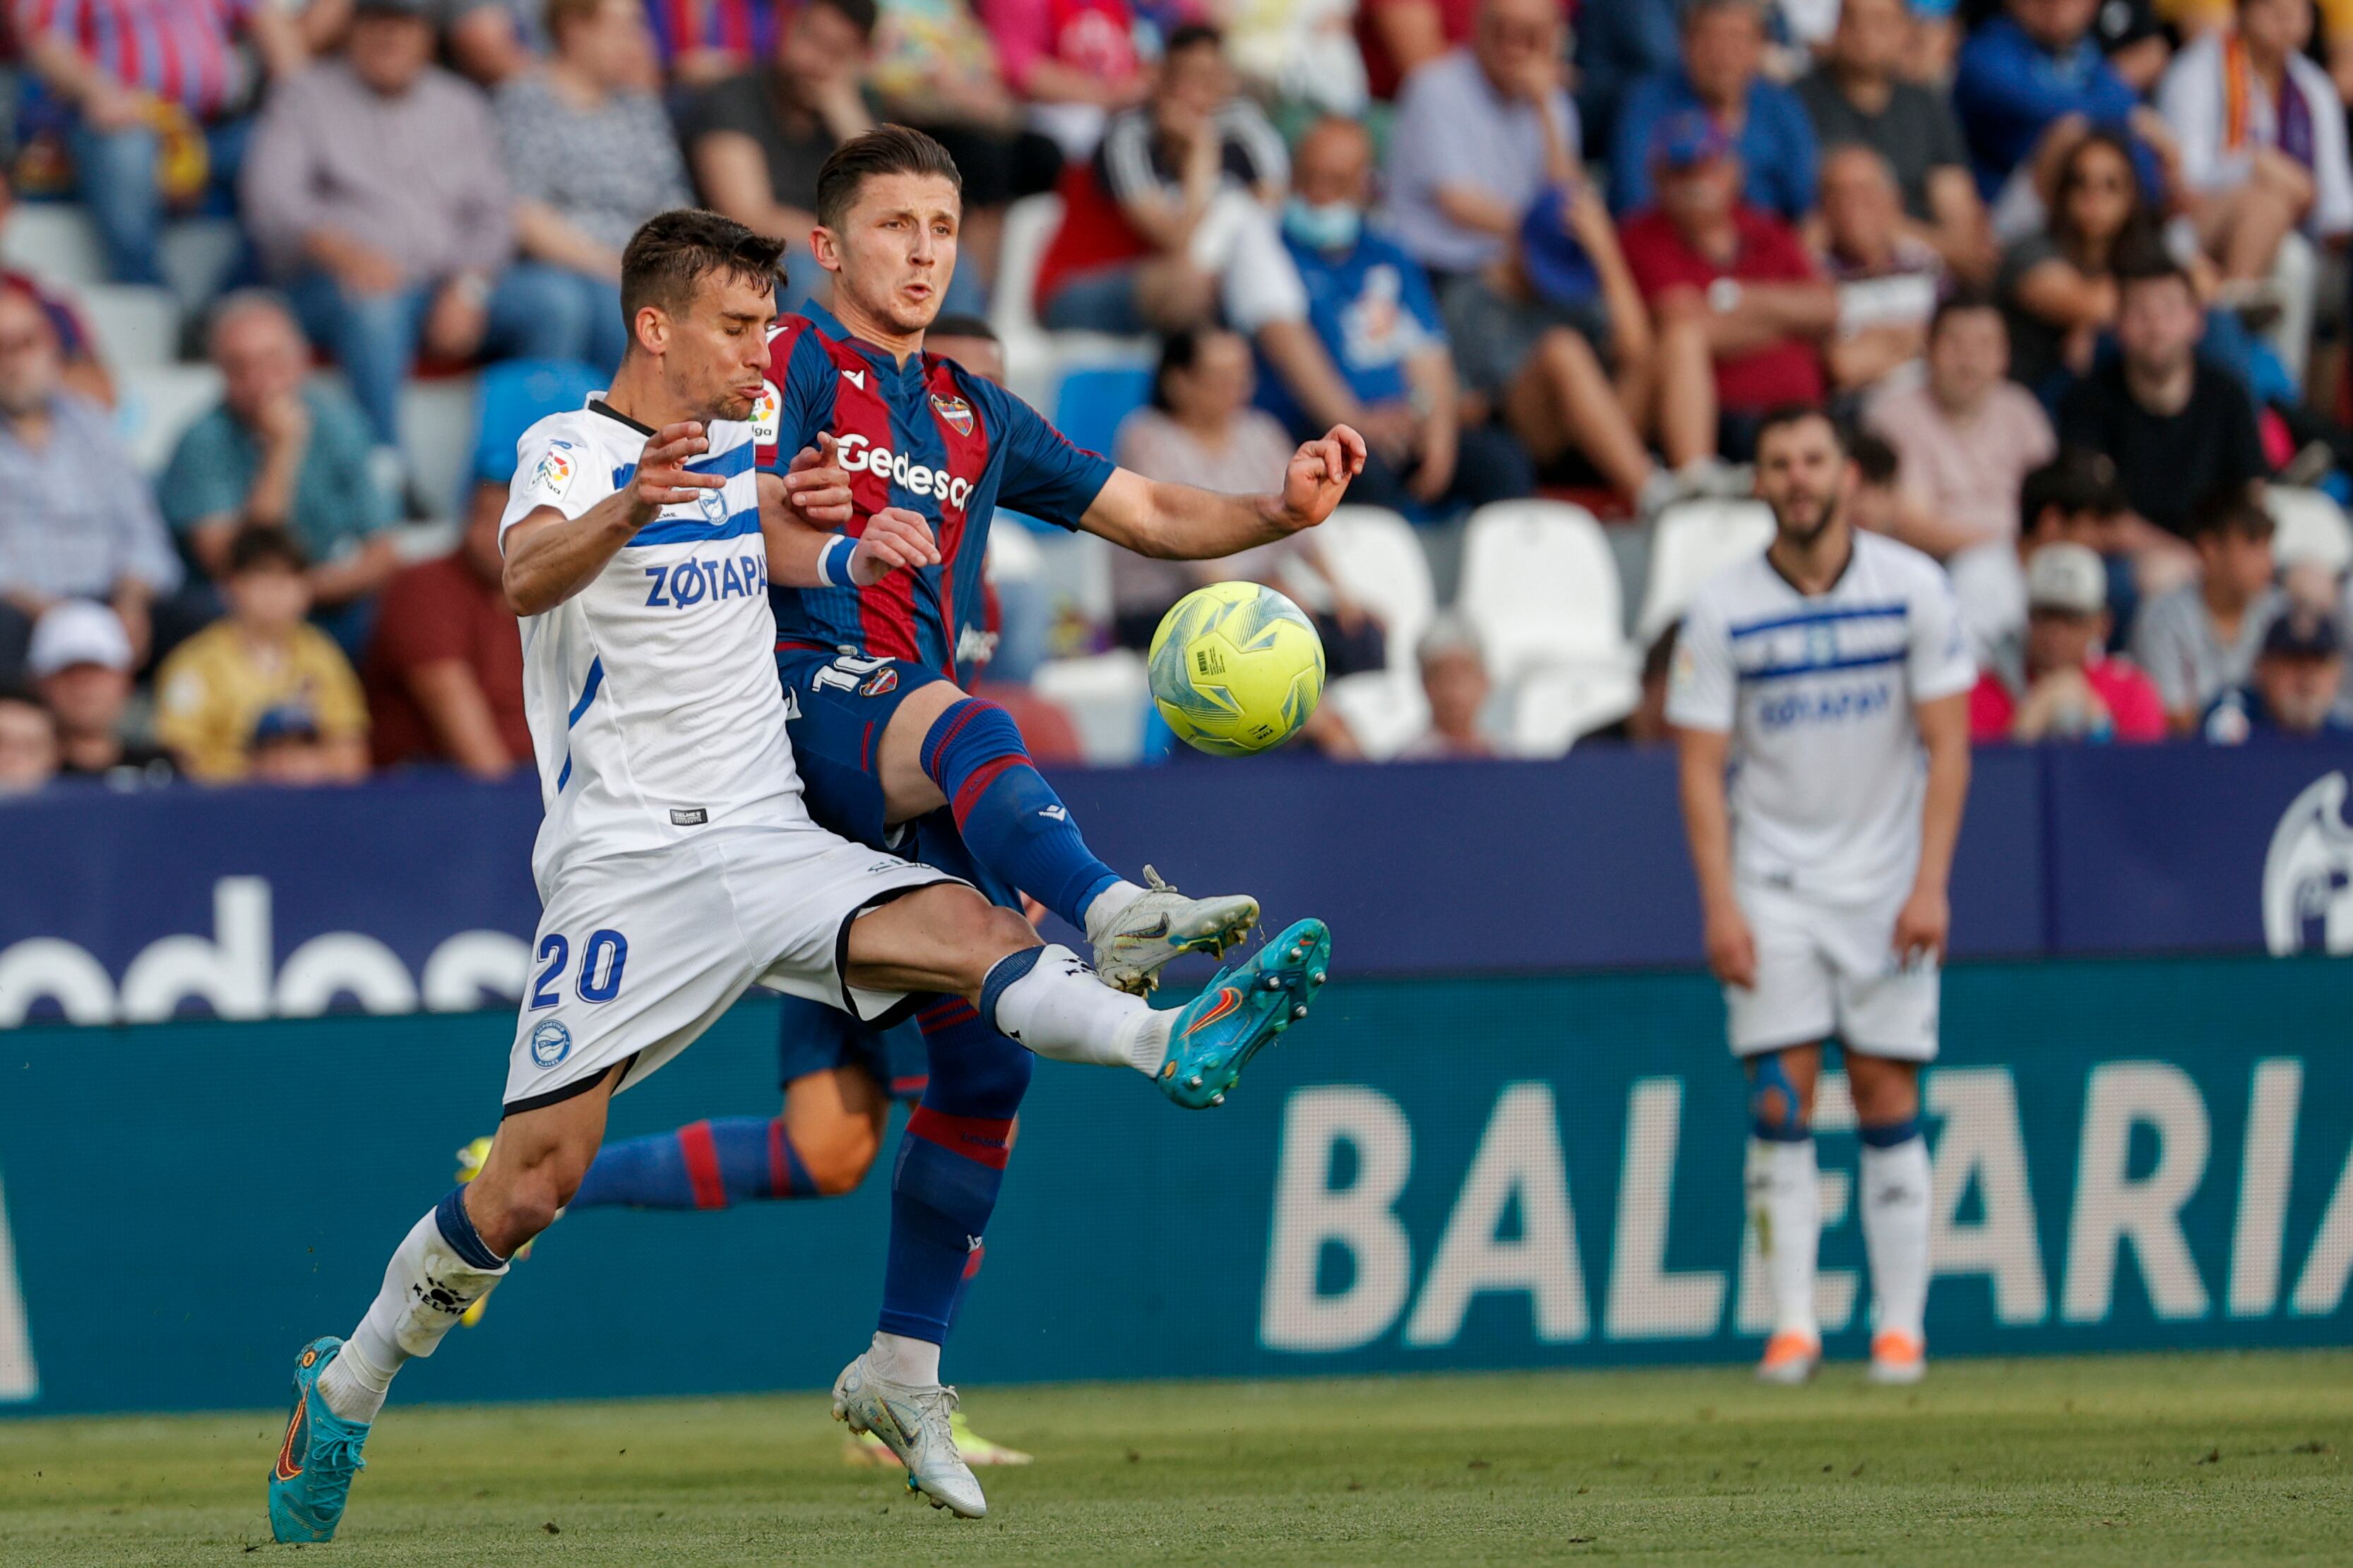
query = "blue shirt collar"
{"x": 880, "y": 358}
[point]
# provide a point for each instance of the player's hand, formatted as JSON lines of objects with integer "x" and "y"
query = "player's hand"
{"x": 662, "y": 477}
{"x": 1319, "y": 475}
{"x": 895, "y": 539}
{"x": 816, "y": 487}
{"x": 1731, "y": 947}
{"x": 1923, "y": 925}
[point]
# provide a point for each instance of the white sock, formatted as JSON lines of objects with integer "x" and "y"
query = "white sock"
{"x": 426, "y": 1288}
{"x": 1108, "y": 906}
{"x": 895, "y": 1358}
{"x": 1895, "y": 1232}
{"x": 1785, "y": 1206}
{"x": 1061, "y": 1010}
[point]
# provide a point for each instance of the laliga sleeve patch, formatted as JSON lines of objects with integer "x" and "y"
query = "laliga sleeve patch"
{"x": 769, "y": 414}
{"x": 558, "y": 467}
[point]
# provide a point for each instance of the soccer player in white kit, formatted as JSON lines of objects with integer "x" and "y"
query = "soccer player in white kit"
{"x": 676, "y": 864}
{"x": 1828, "y": 681}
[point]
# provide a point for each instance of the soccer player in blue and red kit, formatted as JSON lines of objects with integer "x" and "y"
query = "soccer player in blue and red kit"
{"x": 890, "y": 746}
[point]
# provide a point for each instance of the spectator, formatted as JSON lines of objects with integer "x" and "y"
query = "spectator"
{"x": 1720, "y": 76}
{"x": 76, "y": 519}
{"x": 1742, "y": 311}
{"x": 1858, "y": 93}
{"x": 1304, "y": 53}
{"x": 1888, "y": 279}
{"x": 2058, "y": 287}
{"x": 1619, "y": 44}
{"x": 28, "y": 743}
{"x": 2073, "y": 499}
{"x": 444, "y": 674}
{"x": 286, "y": 748}
{"x": 1372, "y": 352}
{"x": 1396, "y": 38}
{"x": 756, "y": 141}
{"x": 2130, "y": 33}
{"x": 81, "y": 663}
{"x": 935, "y": 69}
{"x": 217, "y": 687}
{"x": 1075, "y": 62}
{"x": 375, "y": 192}
{"x": 1479, "y": 135}
{"x": 699, "y": 43}
{"x": 1965, "y": 437}
{"x": 83, "y": 371}
{"x": 2263, "y": 155}
{"x": 2295, "y": 690}
{"x": 1173, "y": 212}
{"x": 2200, "y": 640}
{"x": 2035, "y": 67}
{"x": 2066, "y": 688}
{"x": 283, "y": 450}
{"x": 590, "y": 157}
{"x": 1454, "y": 678}
{"x": 2179, "y": 428}
{"x": 158, "y": 87}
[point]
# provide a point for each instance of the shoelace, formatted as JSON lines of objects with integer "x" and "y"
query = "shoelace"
{"x": 933, "y": 1409}
{"x": 336, "y": 1460}
{"x": 1153, "y": 883}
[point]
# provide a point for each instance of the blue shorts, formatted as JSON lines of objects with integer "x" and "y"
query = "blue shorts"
{"x": 839, "y": 705}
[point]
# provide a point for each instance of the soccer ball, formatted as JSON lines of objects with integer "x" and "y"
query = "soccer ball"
{"x": 1236, "y": 668}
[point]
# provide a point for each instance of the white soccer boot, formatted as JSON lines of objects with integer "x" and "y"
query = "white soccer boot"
{"x": 1162, "y": 923}
{"x": 1897, "y": 1357}
{"x": 914, "y": 1423}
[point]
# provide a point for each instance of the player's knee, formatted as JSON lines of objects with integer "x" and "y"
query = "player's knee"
{"x": 1778, "y": 1110}
{"x": 837, "y": 1153}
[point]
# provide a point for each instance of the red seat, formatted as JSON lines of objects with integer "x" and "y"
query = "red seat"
{"x": 1048, "y": 729}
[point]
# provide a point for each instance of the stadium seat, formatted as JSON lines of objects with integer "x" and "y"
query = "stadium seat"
{"x": 1029, "y": 226}
{"x": 1540, "y": 587}
{"x": 1091, "y": 401}
{"x": 54, "y": 241}
{"x": 518, "y": 394}
{"x": 1105, "y": 696}
{"x": 1373, "y": 554}
{"x": 133, "y": 325}
{"x": 2311, "y": 527}
{"x": 1690, "y": 544}
{"x": 199, "y": 256}
{"x": 1046, "y": 727}
{"x": 436, "y": 438}
{"x": 155, "y": 402}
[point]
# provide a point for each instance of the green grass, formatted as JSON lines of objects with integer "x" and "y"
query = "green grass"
{"x": 2139, "y": 1460}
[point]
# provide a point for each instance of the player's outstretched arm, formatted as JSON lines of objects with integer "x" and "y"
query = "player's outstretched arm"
{"x": 801, "y": 556}
{"x": 1178, "y": 522}
{"x": 551, "y": 556}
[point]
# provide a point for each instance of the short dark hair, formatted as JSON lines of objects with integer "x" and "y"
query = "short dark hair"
{"x": 2078, "y": 479}
{"x": 2148, "y": 262}
{"x": 1192, "y": 35}
{"x": 257, "y": 546}
{"x": 862, "y": 15}
{"x": 673, "y": 252}
{"x": 1783, "y": 415}
{"x": 2233, "y": 508}
{"x": 870, "y": 154}
{"x": 1959, "y": 300}
{"x": 962, "y": 326}
{"x": 1179, "y": 351}
{"x": 1871, "y": 454}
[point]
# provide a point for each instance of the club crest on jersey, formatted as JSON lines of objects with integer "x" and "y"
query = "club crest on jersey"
{"x": 550, "y": 1043}
{"x": 881, "y": 683}
{"x": 954, "y": 412}
{"x": 714, "y": 506}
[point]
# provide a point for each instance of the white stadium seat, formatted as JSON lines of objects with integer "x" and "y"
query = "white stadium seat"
{"x": 155, "y": 402}
{"x": 54, "y": 241}
{"x": 436, "y": 438}
{"x": 1104, "y": 695}
{"x": 199, "y": 254}
{"x": 1035, "y": 358}
{"x": 1540, "y": 588}
{"x": 2311, "y": 527}
{"x": 1374, "y": 556}
{"x": 1690, "y": 543}
{"x": 133, "y": 325}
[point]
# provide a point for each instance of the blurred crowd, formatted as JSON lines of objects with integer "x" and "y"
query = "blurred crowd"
{"x": 2073, "y": 273}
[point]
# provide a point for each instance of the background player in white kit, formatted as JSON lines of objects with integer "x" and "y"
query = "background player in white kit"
{"x": 1829, "y": 678}
{"x": 676, "y": 864}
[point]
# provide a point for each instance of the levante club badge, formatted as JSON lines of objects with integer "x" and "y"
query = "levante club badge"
{"x": 955, "y": 411}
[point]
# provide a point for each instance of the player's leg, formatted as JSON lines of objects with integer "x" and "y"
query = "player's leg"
{"x": 943, "y": 748}
{"x": 1889, "y": 1025}
{"x": 1776, "y": 1029}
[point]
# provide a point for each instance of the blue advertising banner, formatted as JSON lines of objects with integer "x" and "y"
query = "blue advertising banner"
{"x": 1475, "y": 1172}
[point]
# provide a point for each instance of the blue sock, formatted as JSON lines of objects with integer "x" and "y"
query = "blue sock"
{"x": 951, "y": 1163}
{"x": 1010, "y": 817}
{"x": 702, "y": 1165}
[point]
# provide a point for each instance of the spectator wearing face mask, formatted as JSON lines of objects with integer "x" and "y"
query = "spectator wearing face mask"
{"x": 2294, "y": 692}
{"x": 2066, "y": 687}
{"x": 80, "y": 664}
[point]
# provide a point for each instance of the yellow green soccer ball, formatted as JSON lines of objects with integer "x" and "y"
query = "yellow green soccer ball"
{"x": 1236, "y": 668}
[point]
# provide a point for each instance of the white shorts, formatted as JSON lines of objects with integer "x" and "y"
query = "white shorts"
{"x": 637, "y": 954}
{"x": 1828, "y": 970}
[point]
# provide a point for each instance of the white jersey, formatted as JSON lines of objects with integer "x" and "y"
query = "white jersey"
{"x": 1817, "y": 695}
{"x": 652, "y": 693}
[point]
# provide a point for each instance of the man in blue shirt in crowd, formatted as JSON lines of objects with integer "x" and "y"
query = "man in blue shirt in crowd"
{"x": 2024, "y": 71}
{"x": 2297, "y": 689}
{"x": 1723, "y": 54}
{"x": 1372, "y": 351}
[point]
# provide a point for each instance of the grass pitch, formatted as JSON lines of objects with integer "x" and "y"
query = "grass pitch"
{"x": 2140, "y": 1460}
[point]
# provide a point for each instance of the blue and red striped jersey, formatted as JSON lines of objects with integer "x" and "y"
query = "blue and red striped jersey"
{"x": 927, "y": 435}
